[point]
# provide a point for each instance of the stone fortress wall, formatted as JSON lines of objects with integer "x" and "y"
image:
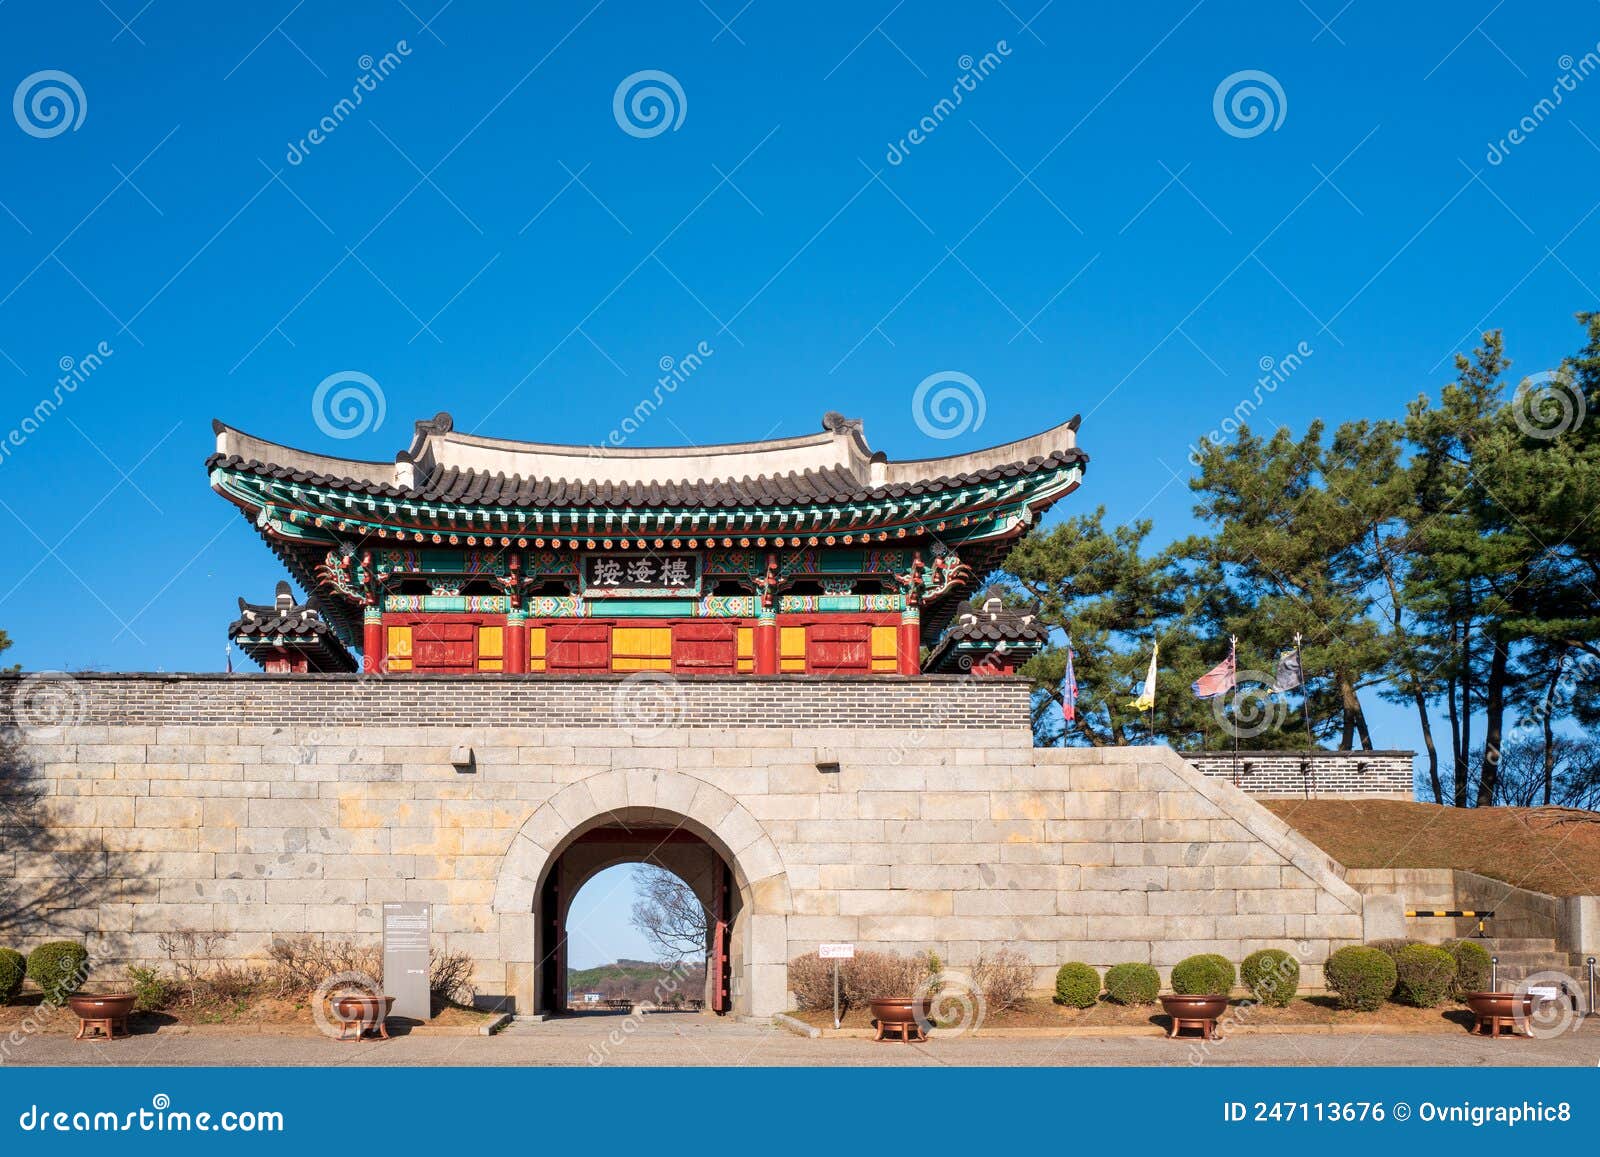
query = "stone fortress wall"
{"x": 897, "y": 813}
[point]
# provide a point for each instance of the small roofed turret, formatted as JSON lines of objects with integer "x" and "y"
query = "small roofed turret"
{"x": 988, "y": 639}
{"x": 284, "y": 636}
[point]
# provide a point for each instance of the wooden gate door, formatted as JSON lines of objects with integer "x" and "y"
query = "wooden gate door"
{"x": 719, "y": 963}
{"x": 552, "y": 965}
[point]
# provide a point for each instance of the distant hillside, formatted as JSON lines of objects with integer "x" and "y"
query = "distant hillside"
{"x": 638, "y": 980}
{"x": 1547, "y": 849}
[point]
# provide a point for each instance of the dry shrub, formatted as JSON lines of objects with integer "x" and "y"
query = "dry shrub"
{"x": 196, "y": 977}
{"x": 1004, "y": 978}
{"x": 861, "y": 978}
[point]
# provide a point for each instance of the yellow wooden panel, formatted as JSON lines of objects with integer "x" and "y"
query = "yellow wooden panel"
{"x": 631, "y": 663}
{"x": 399, "y": 643}
{"x": 885, "y": 642}
{"x": 792, "y": 642}
{"x": 491, "y": 665}
{"x": 745, "y": 666}
{"x": 746, "y": 643}
{"x": 652, "y": 642}
{"x": 491, "y": 644}
{"x": 399, "y": 664}
{"x": 792, "y": 665}
{"x": 536, "y": 664}
{"x": 536, "y": 646}
{"x": 888, "y": 666}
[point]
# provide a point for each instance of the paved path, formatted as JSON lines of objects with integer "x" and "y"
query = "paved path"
{"x": 702, "y": 1040}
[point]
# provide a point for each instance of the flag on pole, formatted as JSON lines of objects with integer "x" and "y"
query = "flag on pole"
{"x": 1069, "y": 691}
{"x": 230, "y": 660}
{"x": 1289, "y": 674}
{"x": 1147, "y": 694}
{"x": 1219, "y": 680}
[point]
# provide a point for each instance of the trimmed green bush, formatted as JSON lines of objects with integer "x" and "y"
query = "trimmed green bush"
{"x": 1204, "y": 975}
{"x": 1425, "y": 974}
{"x": 151, "y": 992}
{"x": 1362, "y": 977}
{"x": 1077, "y": 984}
{"x": 13, "y": 967}
{"x": 1132, "y": 983}
{"x": 1272, "y": 976}
{"x": 1472, "y": 967}
{"x": 59, "y": 968}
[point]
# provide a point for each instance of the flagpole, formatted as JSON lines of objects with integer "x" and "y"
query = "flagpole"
{"x": 1305, "y": 690}
{"x": 1233, "y": 659}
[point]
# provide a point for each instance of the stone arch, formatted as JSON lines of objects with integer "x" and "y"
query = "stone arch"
{"x": 646, "y": 796}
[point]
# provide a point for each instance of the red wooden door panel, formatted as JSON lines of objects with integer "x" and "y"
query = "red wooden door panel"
{"x": 438, "y": 646}
{"x": 839, "y": 648}
{"x": 704, "y": 648}
{"x": 579, "y": 647}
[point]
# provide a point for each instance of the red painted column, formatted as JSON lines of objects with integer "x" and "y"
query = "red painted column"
{"x": 766, "y": 644}
{"x": 373, "y": 658}
{"x": 516, "y": 643}
{"x": 910, "y": 648}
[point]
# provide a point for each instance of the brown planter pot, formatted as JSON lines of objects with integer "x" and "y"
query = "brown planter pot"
{"x": 101, "y": 1014}
{"x": 1199, "y": 1012}
{"x": 904, "y": 1014}
{"x": 362, "y": 1014}
{"x": 1496, "y": 1013}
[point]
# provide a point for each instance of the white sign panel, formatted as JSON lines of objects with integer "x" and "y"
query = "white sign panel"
{"x": 836, "y": 951}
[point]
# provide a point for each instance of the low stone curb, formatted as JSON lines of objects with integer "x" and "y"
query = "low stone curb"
{"x": 495, "y": 1025}
{"x": 798, "y": 1027}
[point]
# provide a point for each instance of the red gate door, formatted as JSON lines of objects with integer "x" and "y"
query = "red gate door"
{"x": 704, "y": 648}
{"x": 719, "y": 965}
{"x": 577, "y": 647}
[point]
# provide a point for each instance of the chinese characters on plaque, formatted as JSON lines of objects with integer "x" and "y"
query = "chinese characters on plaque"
{"x": 641, "y": 574}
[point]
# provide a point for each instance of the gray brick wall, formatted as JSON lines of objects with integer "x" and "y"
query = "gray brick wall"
{"x": 930, "y": 702}
{"x": 1313, "y": 775}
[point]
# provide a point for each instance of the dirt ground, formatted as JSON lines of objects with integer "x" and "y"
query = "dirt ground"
{"x": 1303, "y": 1011}
{"x": 29, "y": 1013}
{"x": 1548, "y": 849}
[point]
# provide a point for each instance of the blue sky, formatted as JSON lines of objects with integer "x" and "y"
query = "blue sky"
{"x": 1082, "y": 233}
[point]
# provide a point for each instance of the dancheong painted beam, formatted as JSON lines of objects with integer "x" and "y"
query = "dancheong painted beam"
{"x": 807, "y": 555}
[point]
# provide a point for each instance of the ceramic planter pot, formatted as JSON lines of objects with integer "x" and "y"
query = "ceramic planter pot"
{"x": 898, "y": 1014}
{"x": 1199, "y": 1012}
{"x": 361, "y": 1014}
{"x": 101, "y": 1014}
{"x": 1496, "y": 1012}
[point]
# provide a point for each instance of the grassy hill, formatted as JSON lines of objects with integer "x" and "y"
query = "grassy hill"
{"x": 638, "y": 980}
{"x": 1547, "y": 849}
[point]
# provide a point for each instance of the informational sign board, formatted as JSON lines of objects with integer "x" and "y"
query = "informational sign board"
{"x": 836, "y": 951}
{"x": 407, "y": 933}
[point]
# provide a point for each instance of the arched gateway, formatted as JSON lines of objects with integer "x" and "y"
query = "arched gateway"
{"x": 680, "y": 822}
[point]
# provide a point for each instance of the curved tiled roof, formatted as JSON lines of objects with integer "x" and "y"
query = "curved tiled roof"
{"x": 833, "y": 467}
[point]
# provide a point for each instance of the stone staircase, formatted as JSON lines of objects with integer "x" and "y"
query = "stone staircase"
{"x": 1521, "y": 956}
